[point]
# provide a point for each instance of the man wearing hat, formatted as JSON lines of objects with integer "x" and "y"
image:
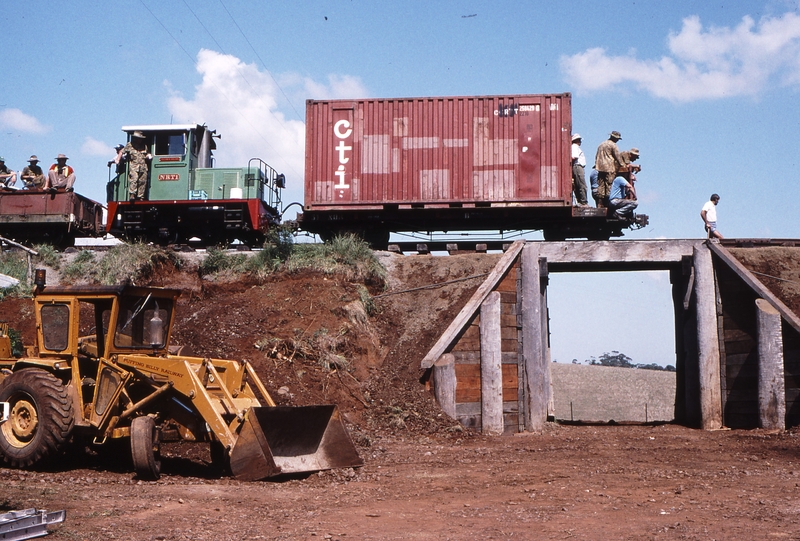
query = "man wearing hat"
{"x": 7, "y": 176}
{"x": 32, "y": 175}
{"x": 60, "y": 175}
{"x": 578, "y": 171}
{"x": 119, "y": 160}
{"x": 628, "y": 157}
{"x": 138, "y": 159}
{"x": 607, "y": 161}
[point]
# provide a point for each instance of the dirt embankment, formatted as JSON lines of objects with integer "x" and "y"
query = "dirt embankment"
{"x": 423, "y": 478}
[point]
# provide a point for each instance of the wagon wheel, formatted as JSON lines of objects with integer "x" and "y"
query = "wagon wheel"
{"x": 145, "y": 448}
{"x": 40, "y": 420}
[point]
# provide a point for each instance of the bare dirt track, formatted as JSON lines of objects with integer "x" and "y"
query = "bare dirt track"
{"x": 424, "y": 477}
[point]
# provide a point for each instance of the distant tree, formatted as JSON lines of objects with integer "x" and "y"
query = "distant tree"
{"x": 620, "y": 360}
{"x": 615, "y": 358}
{"x": 651, "y": 366}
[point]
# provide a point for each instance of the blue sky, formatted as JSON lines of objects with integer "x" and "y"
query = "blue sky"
{"x": 707, "y": 91}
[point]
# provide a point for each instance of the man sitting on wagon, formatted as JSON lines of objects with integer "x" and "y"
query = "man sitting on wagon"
{"x": 7, "y": 176}
{"x": 32, "y": 174}
{"x": 60, "y": 175}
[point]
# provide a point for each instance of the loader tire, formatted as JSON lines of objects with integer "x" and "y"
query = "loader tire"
{"x": 41, "y": 417}
{"x": 145, "y": 449}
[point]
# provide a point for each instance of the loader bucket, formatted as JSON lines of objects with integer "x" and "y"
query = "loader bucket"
{"x": 288, "y": 440}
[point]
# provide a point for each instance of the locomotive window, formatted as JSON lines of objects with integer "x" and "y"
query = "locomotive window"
{"x": 170, "y": 143}
{"x": 55, "y": 326}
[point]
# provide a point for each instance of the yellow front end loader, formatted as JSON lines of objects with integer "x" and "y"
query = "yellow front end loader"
{"x": 102, "y": 368}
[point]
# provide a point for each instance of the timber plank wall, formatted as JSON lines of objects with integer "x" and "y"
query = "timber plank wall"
{"x": 467, "y": 356}
{"x": 739, "y": 355}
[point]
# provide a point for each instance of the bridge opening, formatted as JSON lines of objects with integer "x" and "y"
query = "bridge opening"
{"x": 601, "y": 322}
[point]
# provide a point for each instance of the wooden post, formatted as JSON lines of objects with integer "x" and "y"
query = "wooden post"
{"x": 491, "y": 366}
{"x": 537, "y": 386}
{"x": 444, "y": 383}
{"x": 707, "y": 339}
{"x": 771, "y": 386}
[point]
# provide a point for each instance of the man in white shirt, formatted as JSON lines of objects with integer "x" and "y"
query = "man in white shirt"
{"x": 709, "y": 216}
{"x": 578, "y": 172}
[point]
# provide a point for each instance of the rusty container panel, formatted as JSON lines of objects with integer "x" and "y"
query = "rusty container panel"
{"x": 438, "y": 152}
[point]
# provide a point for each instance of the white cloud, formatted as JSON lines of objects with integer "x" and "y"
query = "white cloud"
{"x": 93, "y": 147}
{"x": 17, "y": 120}
{"x": 339, "y": 86}
{"x": 247, "y": 107}
{"x": 710, "y": 63}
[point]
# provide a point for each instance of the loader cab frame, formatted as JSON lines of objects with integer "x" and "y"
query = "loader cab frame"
{"x": 99, "y": 322}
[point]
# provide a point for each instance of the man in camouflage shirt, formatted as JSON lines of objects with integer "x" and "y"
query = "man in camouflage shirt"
{"x": 607, "y": 161}
{"x": 32, "y": 175}
{"x": 138, "y": 160}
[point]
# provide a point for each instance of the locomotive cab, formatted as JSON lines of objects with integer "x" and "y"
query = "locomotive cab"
{"x": 188, "y": 198}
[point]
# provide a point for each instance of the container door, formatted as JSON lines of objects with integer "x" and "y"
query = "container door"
{"x": 530, "y": 150}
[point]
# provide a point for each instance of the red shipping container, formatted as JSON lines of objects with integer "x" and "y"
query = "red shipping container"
{"x": 441, "y": 152}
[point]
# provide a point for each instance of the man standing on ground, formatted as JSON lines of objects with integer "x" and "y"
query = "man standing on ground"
{"x": 578, "y": 172}
{"x": 709, "y": 216}
{"x": 607, "y": 161}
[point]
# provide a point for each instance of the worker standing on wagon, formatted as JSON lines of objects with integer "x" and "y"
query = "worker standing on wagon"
{"x": 578, "y": 171}
{"x": 7, "y": 176}
{"x": 607, "y": 161}
{"x": 138, "y": 158}
{"x": 32, "y": 174}
{"x": 60, "y": 175}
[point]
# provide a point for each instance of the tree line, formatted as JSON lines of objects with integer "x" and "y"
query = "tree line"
{"x": 620, "y": 360}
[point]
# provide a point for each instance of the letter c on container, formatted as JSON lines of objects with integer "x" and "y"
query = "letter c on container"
{"x": 337, "y": 129}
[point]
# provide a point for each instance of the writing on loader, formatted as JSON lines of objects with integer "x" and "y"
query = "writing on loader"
{"x": 120, "y": 380}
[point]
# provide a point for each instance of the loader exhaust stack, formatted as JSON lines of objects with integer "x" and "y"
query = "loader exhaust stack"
{"x": 291, "y": 440}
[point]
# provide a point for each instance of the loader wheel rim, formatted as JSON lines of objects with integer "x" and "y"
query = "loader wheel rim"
{"x": 23, "y": 421}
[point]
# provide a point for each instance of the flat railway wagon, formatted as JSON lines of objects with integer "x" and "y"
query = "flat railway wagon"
{"x": 57, "y": 218}
{"x": 189, "y": 200}
{"x": 491, "y": 163}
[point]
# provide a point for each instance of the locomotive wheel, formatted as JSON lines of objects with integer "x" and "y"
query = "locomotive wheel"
{"x": 41, "y": 418}
{"x": 145, "y": 448}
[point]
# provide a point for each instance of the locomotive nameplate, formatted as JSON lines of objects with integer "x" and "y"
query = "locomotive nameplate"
{"x": 169, "y": 177}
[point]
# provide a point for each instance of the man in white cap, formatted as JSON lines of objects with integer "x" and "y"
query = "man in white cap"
{"x": 60, "y": 175}
{"x": 578, "y": 171}
{"x": 7, "y": 176}
{"x": 32, "y": 175}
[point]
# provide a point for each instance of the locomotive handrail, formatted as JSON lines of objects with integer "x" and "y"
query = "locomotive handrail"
{"x": 272, "y": 181}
